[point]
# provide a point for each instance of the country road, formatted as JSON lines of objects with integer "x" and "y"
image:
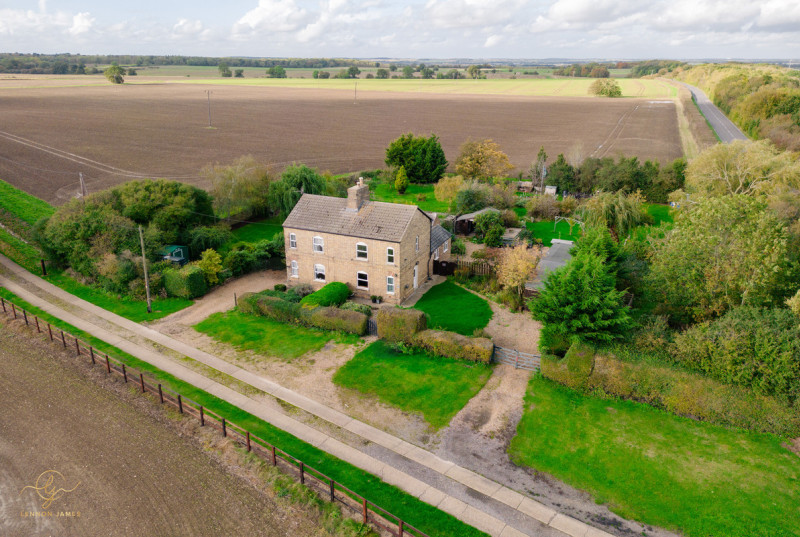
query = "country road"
{"x": 724, "y": 127}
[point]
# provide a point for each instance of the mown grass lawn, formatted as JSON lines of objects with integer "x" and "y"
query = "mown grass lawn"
{"x": 660, "y": 213}
{"x": 387, "y": 192}
{"x": 268, "y": 337}
{"x": 647, "y": 465}
{"x": 435, "y": 387}
{"x": 454, "y": 308}
{"x": 133, "y": 310}
{"x": 544, "y": 230}
{"x": 258, "y": 231}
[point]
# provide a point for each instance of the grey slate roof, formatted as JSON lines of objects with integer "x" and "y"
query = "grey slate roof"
{"x": 374, "y": 220}
{"x": 471, "y": 216}
{"x": 439, "y": 236}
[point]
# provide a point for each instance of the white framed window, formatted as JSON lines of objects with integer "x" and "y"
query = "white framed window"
{"x": 361, "y": 250}
{"x": 292, "y": 240}
{"x": 445, "y": 245}
{"x": 436, "y": 255}
{"x": 390, "y": 256}
{"x": 319, "y": 245}
{"x": 295, "y": 269}
{"x": 362, "y": 280}
{"x": 416, "y": 244}
{"x": 319, "y": 273}
{"x": 390, "y": 285}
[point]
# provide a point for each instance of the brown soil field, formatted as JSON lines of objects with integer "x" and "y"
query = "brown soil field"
{"x": 116, "y": 133}
{"x": 137, "y": 471}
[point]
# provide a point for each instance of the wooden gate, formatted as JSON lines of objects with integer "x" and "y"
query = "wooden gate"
{"x": 519, "y": 359}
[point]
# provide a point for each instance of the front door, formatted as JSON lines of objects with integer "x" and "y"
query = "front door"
{"x": 415, "y": 276}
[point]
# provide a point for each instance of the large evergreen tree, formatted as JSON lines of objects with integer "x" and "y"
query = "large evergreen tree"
{"x": 423, "y": 158}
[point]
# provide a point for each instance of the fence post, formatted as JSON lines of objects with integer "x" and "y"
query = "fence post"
{"x": 235, "y": 301}
{"x": 3, "y": 302}
{"x": 248, "y": 440}
{"x": 44, "y": 269}
{"x": 25, "y": 315}
{"x": 141, "y": 379}
{"x": 35, "y": 318}
{"x": 14, "y": 309}
{"x": 224, "y": 430}
{"x": 91, "y": 354}
{"x": 274, "y": 458}
{"x": 202, "y": 417}
{"x": 364, "y": 505}
{"x": 108, "y": 364}
{"x": 50, "y": 331}
{"x": 333, "y": 498}
{"x": 400, "y": 529}
{"x": 160, "y": 394}
{"x": 77, "y": 347}
{"x": 63, "y": 339}
{"x": 124, "y": 373}
{"x": 302, "y": 473}
{"x": 180, "y": 404}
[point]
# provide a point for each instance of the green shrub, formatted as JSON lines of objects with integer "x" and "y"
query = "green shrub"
{"x": 280, "y": 287}
{"x": 395, "y": 324}
{"x": 277, "y": 309}
{"x": 247, "y": 303}
{"x": 757, "y": 348}
{"x": 329, "y": 318}
{"x": 187, "y": 282}
{"x": 679, "y": 392}
{"x": 553, "y": 341}
{"x": 355, "y": 306}
{"x": 453, "y": 345}
{"x": 580, "y": 361}
{"x": 302, "y": 290}
{"x": 332, "y": 294}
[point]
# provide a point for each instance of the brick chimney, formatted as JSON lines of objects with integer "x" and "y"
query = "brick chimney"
{"x": 357, "y": 195}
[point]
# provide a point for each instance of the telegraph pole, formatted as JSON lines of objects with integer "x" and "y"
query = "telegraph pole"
{"x": 144, "y": 265}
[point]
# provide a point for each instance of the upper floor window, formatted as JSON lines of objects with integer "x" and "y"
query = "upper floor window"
{"x": 294, "y": 269}
{"x": 390, "y": 255}
{"x": 416, "y": 244}
{"x": 292, "y": 240}
{"x": 319, "y": 273}
{"x": 319, "y": 245}
{"x": 361, "y": 250}
{"x": 362, "y": 280}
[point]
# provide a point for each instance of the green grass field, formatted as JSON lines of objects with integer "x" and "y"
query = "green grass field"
{"x": 435, "y": 387}
{"x": 258, "y": 231}
{"x": 453, "y": 308}
{"x": 544, "y": 230}
{"x": 268, "y": 337}
{"x": 387, "y": 192}
{"x": 27, "y": 208}
{"x": 646, "y": 465}
{"x": 660, "y": 213}
{"x": 416, "y": 512}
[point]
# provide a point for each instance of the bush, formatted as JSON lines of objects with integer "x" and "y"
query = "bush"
{"x": 337, "y": 319}
{"x": 247, "y": 303}
{"x": 553, "y": 341}
{"x": 395, "y": 324}
{"x": 332, "y": 294}
{"x": 302, "y": 290}
{"x": 580, "y": 361}
{"x": 510, "y": 218}
{"x": 543, "y": 207}
{"x": 355, "y": 306}
{"x": 278, "y": 309}
{"x": 187, "y": 282}
{"x": 458, "y": 247}
{"x": 453, "y": 345}
{"x": 280, "y": 287}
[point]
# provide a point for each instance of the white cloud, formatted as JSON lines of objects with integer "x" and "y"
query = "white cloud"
{"x": 273, "y": 16}
{"x": 81, "y": 23}
{"x": 471, "y": 13}
{"x": 492, "y": 40}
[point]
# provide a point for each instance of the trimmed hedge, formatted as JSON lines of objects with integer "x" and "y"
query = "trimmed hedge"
{"x": 580, "y": 361}
{"x": 278, "y": 309}
{"x": 247, "y": 303}
{"x": 355, "y": 306}
{"x": 186, "y": 282}
{"x": 329, "y": 318}
{"x": 453, "y": 345}
{"x": 395, "y": 324}
{"x": 679, "y": 392}
{"x": 332, "y": 294}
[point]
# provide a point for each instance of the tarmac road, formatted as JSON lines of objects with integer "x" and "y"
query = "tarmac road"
{"x": 723, "y": 126}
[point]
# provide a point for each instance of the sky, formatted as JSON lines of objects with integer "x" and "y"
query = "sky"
{"x": 430, "y": 29}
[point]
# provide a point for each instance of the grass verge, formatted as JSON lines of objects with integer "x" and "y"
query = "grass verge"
{"x": 438, "y": 388}
{"x": 418, "y": 513}
{"x": 453, "y": 308}
{"x": 268, "y": 337}
{"x": 27, "y": 208}
{"x": 660, "y": 469}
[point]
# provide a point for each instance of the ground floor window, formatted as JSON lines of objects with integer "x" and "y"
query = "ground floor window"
{"x": 436, "y": 255}
{"x": 390, "y": 284}
{"x": 319, "y": 273}
{"x": 294, "y": 269}
{"x": 362, "y": 280}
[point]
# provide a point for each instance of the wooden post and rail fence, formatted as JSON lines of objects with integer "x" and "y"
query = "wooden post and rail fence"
{"x": 327, "y": 488}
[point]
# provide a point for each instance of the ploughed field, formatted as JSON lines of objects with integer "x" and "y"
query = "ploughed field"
{"x": 49, "y": 132}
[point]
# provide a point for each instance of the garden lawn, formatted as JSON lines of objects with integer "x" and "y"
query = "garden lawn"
{"x": 411, "y": 509}
{"x": 268, "y": 337}
{"x": 453, "y": 308}
{"x": 387, "y": 192}
{"x": 258, "y": 231}
{"x": 544, "y": 230}
{"x": 133, "y": 310}
{"x": 435, "y": 387}
{"x": 660, "y": 213}
{"x": 657, "y": 468}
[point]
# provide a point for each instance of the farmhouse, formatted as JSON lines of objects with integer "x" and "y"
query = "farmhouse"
{"x": 377, "y": 248}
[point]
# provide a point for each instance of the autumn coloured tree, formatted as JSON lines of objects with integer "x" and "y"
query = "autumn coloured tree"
{"x": 482, "y": 159}
{"x": 516, "y": 267}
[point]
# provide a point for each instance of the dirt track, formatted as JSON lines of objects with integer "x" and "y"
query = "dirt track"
{"x": 49, "y": 134}
{"x": 137, "y": 476}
